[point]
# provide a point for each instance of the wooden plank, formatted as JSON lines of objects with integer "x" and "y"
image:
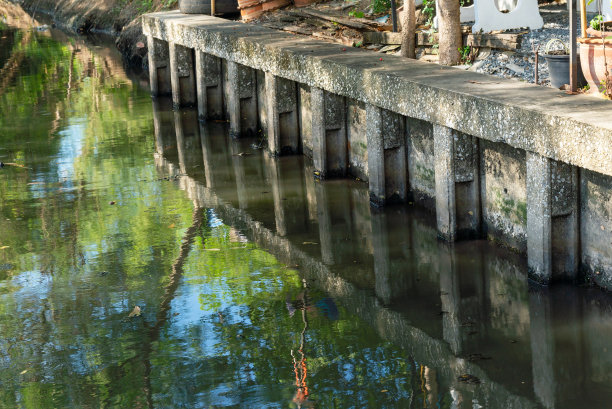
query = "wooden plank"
{"x": 382, "y": 37}
{"x": 297, "y": 30}
{"x": 498, "y": 41}
{"x": 340, "y": 20}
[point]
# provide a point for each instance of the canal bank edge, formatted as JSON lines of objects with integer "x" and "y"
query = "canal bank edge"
{"x": 476, "y": 168}
{"x": 118, "y": 18}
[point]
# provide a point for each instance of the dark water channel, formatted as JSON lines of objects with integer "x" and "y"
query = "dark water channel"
{"x": 257, "y": 286}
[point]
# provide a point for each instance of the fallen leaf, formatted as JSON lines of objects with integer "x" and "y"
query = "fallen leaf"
{"x": 471, "y": 213}
{"x": 171, "y": 226}
{"x": 309, "y": 242}
{"x": 384, "y": 391}
{"x": 135, "y": 312}
{"x": 22, "y": 372}
{"x": 468, "y": 378}
{"x": 4, "y": 247}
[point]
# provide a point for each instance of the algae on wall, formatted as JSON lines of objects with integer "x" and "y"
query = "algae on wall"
{"x": 504, "y": 194}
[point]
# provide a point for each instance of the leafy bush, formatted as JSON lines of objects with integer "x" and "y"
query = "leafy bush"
{"x": 379, "y": 6}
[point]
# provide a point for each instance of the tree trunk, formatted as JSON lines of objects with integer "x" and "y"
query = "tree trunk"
{"x": 408, "y": 30}
{"x": 449, "y": 26}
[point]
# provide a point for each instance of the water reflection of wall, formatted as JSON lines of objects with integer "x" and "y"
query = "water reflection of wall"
{"x": 455, "y": 309}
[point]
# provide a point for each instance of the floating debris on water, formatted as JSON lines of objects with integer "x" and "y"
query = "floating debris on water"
{"x": 467, "y": 378}
{"x": 135, "y": 312}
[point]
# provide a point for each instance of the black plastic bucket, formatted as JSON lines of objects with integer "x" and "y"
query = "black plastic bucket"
{"x": 558, "y": 68}
{"x": 203, "y": 6}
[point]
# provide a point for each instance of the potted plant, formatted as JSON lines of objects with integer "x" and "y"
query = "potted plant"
{"x": 596, "y": 54}
{"x": 557, "y": 60}
{"x": 203, "y": 6}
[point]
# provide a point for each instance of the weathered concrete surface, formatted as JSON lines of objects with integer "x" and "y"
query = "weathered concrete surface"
{"x": 209, "y": 80}
{"x": 182, "y": 75}
{"x": 305, "y": 118}
{"x": 577, "y": 131}
{"x": 445, "y": 182}
{"x": 596, "y": 227}
{"x": 420, "y": 152}
{"x": 503, "y": 187}
{"x": 328, "y": 127}
{"x": 539, "y": 217}
{"x": 242, "y": 99}
{"x": 282, "y": 115}
{"x": 159, "y": 66}
{"x": 357, "y": 141}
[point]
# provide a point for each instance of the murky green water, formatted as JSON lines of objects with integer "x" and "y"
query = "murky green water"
{"x": 257, "y": 286}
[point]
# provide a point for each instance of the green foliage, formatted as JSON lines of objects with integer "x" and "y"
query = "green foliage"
{"x": 429, "y": 10}
{"x": 356, "y": 14}
{"x": 169, "y": 4}
{"x": 596, "y": 22}
{"x": 145, "y": 6}
{"x": 465, "y": 53}
{"x": 380, "y": 6}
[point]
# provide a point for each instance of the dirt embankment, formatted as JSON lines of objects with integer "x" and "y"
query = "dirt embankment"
{"x": 118, "y": 17}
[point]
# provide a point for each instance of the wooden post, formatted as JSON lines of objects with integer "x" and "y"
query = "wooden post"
{"x": 583, "y": 18}
{"x": 573, "y": 58}
{"x": 394, "y": 16}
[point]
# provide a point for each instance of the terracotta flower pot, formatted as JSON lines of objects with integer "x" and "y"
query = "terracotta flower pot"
{"x": 593, "y": 61}
{"x": 251, "y": 11}
{"x": 274, "y": 4}
{"x": 303, "y": 3}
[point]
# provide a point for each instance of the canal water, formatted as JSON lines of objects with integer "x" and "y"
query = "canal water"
{"x": 149, "y": 260}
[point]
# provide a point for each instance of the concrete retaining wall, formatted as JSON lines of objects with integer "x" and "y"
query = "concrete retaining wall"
{"x": 526, "y": 166}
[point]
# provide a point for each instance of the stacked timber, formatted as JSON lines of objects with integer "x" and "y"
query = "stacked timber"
{"x": 251, "y": 9}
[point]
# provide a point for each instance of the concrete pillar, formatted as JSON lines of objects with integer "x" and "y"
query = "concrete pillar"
{"x": 180, "y": 141}
{"x": 542, "y": 348}
{"x": 207, "y": 155}
{"x": 325, "y": 224}
{"x": 444, "y": 171}
{"x": 382, "y": 263}
{"x": 329, "y": 139}
{"x": 239, "y": 174}
{"x": 182, "y": 75}
{"x": 539, "y": 220}
{"x": 552, "y": 219}
{"x": 305, "y": 118}
{"x": 450, "y": 298}
{"x": 386, "y": 155}
{"x": 159, "y": 67}
{"x": 278, "y": 194}
{"x": 311, "y": 195}
{"x": 157, "y": 128}
{"x": 282, "y": 115}
{"x": 188, "y": 141}
{"x": 456, "y": 171}
{"x": 209, "y": 79}
{"x": 242, "y": 99}
{"x": 565, "y": 219}
{"x": 376, "y": 155}
{"x": 163, "y": 123}
{"x": 466, "y": 157}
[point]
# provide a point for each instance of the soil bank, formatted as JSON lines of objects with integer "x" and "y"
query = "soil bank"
{"x": 120, "y": 18}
